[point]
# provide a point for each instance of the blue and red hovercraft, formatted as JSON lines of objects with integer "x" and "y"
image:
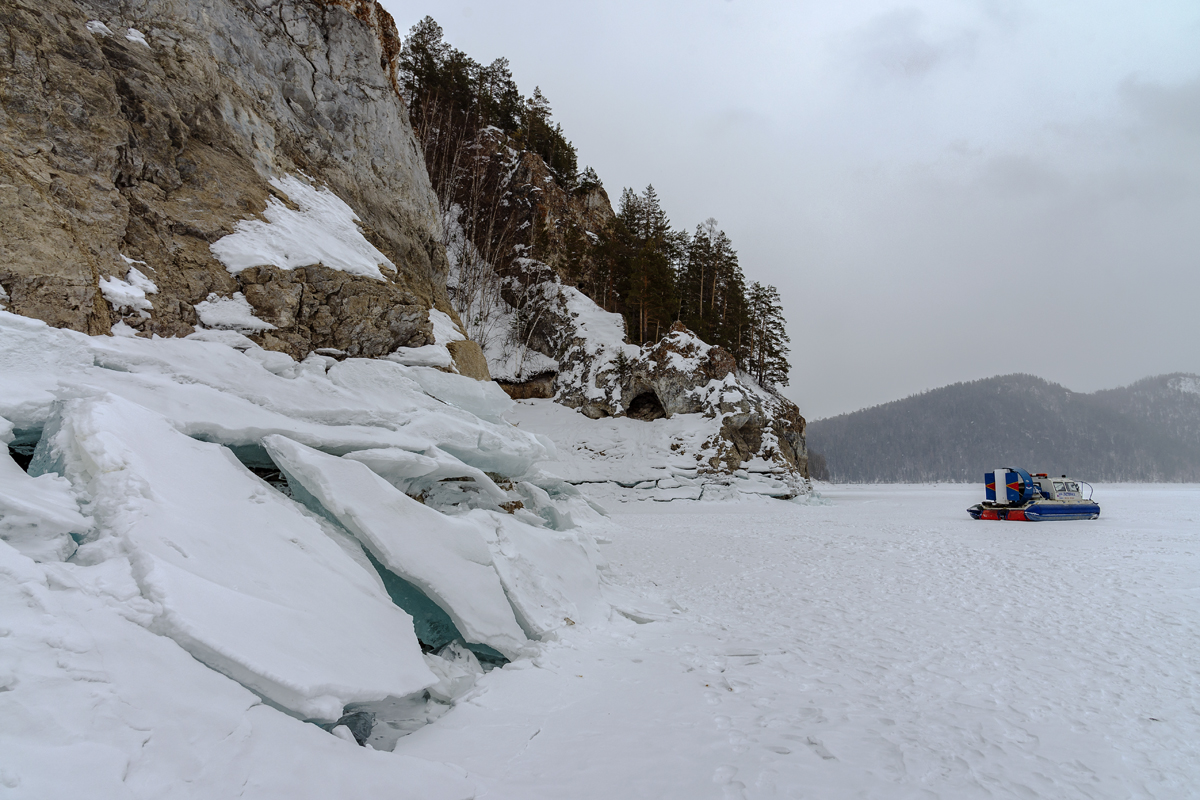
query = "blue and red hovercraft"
{"x": 1014, "y": 494}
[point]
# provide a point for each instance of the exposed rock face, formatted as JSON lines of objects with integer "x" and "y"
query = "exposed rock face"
{"x": 527, "y": 214}
{"x": 540, "y": 387}
{"x": 153, "y": 143}
{"x": 557, "y": 222}
{"x": 468, "y": 358}
{"x": 317, "y": 307}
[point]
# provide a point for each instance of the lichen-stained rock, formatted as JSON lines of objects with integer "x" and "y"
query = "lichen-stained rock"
{"x": 469, "y": 359}
{"x": 148, "y": 130}
{"x": 317, "y": 307}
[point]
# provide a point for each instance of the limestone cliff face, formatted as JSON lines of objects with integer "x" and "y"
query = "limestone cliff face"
{"x": 152, "y": 143}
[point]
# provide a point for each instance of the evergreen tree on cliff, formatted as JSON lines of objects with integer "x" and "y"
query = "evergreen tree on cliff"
{"x": 546, "y": 139}
{"x": 452, "y": 98}
{"x": 712, "y": 289}
{"x": 642, "y": 252}
{"x": 768, "y": 340}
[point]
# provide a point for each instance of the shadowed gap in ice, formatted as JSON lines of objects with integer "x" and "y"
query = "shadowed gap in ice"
{"x": 434, "y": 627}
{"x": 432, "y": 624}
{"x": 446, "y": 557}
{"x": 22, "y": 444}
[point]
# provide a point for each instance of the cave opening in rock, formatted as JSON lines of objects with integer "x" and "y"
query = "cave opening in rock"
{"x": 646, "y": 406}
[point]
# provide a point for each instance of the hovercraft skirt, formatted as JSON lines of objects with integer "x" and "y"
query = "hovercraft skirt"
{"x": 1038, "y": 512}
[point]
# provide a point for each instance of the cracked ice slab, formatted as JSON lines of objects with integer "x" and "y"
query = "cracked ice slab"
{"x": 94, "y": 705}
{"x": 550, "y": 576}
{"x": 38, "y": 515}
{"x": 446, "y": 558}
{"x": 245, "y": 580}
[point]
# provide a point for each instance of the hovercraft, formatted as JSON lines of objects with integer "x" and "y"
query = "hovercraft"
{"x": 1014, "y": 494}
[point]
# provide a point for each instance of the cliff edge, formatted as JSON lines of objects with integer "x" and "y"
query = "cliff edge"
{"x": 135, "y": 136}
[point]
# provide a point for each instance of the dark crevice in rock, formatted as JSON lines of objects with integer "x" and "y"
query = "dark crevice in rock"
{"x": 646, "y": 406}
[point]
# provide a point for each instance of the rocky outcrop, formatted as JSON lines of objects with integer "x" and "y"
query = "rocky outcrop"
{"x": 680, "y": 374}
{"x": 523, "y": 212}
{"x": 317, "y": 308}
{"x": 558, "y": 222}
{"x": 537, "y": 387}
{"x": 603, "y": 376}
{"x": 469, "y": 359}
{"x": 147, "y": 130}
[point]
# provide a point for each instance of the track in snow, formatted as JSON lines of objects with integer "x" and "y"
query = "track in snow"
{"x": 884, "y": 646}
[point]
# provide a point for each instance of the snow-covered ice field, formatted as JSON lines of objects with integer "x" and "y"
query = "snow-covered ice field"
{"x": 881, "y": 646}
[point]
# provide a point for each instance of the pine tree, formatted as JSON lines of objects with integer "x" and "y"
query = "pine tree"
{"x": 712, "y": 289}
{"x": 653, "y": 251}
{"x": 768, "y": 339}
{"x": 547, "y": 140}
{"x": 694, "y": 277}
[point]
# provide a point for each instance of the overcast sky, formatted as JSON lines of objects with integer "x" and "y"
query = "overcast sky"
{"x": 941, "y": 191}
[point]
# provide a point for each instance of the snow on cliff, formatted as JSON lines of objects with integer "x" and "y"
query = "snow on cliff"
{"x": 322, "y": 229}
{"x": 216, "y": 546}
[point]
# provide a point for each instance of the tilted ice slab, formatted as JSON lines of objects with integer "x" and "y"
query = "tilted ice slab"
{"x": 94, "y": 705}
{"x": 38, "y": 515}
{"x": 550, "y": 576}
{"x": 445, "y": 557}
{"x": 245, "y": 580}
{"x": 484, "y": 399}
{"x": 408, "y": 471}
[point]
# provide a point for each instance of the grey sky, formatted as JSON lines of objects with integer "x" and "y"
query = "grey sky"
{"x": 942, "y": 191}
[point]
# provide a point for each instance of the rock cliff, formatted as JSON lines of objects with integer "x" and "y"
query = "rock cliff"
{"x": 148, "y": 131}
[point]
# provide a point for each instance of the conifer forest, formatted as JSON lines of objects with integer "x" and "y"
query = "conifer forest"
{"x": 508, "y": 179}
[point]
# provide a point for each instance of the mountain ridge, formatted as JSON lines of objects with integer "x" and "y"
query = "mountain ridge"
{"x": 1146, "y": 431}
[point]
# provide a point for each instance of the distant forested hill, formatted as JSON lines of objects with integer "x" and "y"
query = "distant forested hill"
{"x": 1148, "y": 431}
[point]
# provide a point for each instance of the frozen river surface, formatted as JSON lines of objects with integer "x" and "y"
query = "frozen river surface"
{"x": 881, "y": 646}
